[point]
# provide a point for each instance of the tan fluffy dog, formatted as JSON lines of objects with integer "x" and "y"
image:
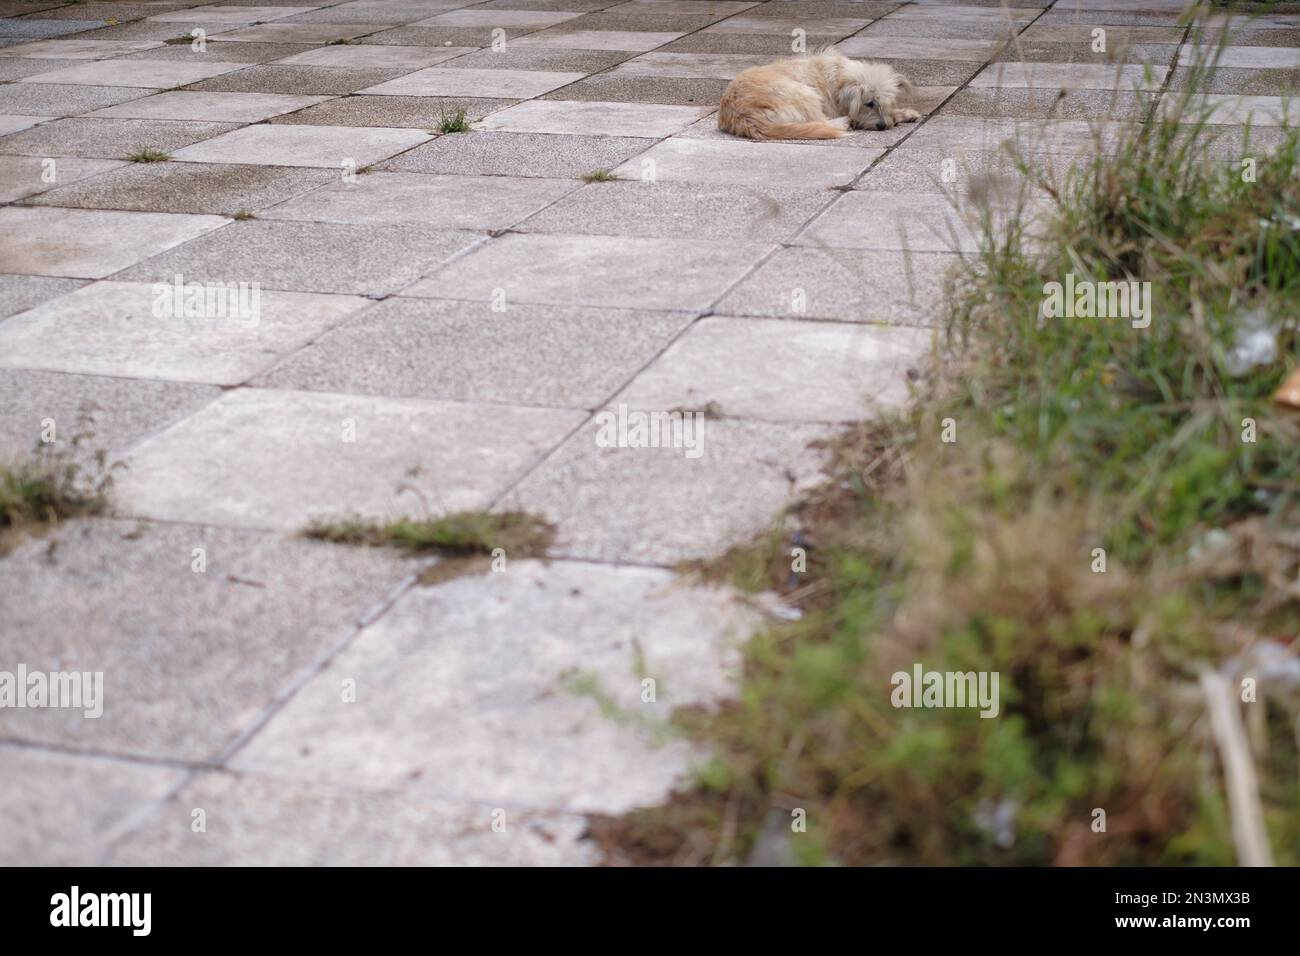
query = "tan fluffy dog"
{"x": 799, "y": 98}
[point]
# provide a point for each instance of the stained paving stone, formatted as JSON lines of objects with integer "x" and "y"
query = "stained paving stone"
{"x": 89, "y": 244}
{"x": 310, "y": 257}
{"x": 108, "y": 138}
{"x": 382, "y": 57}
{"x": 301, "y": 32}
{"x": 302, "y": 145}
{"x": 1076, "y": 104}
{"x": 658, "y": 506}
{"x": 916, "y": 222}
{"x": 222, "y": 107}
{"x": 565, "y": 61}
{"x": 18, "y": 293}
{"x": 519, "y": 154}
{"x": 185, "y": 668}
{"x": 159, "y": 74}
{"x": 77, "y": 48}
{"x": 681, "y": 210}
{"x": 264, "y": 458}
{"x": 227, "y": 52}
{"x": 113, "y": 413}
{"x": 415, "y": 112}
{"x": 506, "y": 84}
{"x": 261, "y": 820}
{"x": 603, "y": 271}
{"x": 743, "y": 162}
{"x": 782, "y": 370}
{"x": 462, "y": 351}
{"x": 508, "y": 725}
{"x": 71, "y": 807}
{"x": 479, "y": 203}
{"x": 304, "y": 80}
{"x": 597, "y": 39}
{"x": 845, "y": 284}
{"x": 188, "y": 187}
{"x": 144, "y": 330}
{"x": 23, "y": 176}
{"x": 611, "y": 119}
{"x": 40, "y": 99}
{"x": 644, "y": 89}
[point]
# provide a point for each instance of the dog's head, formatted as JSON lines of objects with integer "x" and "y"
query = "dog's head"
{"x": 869, "y": 92}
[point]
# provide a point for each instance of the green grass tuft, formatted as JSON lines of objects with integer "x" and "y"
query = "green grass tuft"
{"x": 146, "y": 154}
{"x": 453, "y": 122}
{"x": 599, "y": 176}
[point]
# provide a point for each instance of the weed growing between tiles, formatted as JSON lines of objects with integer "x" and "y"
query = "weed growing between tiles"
{"x": 1104, "y": 514}
{"x": 146, "y": 154}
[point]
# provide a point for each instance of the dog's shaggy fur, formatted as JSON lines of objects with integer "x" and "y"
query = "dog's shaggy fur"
{"x": 801, "y": 98}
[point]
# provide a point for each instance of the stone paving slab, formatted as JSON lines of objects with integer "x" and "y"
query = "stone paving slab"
{"x": 23, "y": 176}
{"x": 475, "y": 688}
{"x": 519, "y": 154}
{"x": 577, "y": 118}
{"x": 300, "y": 32}
{"x": 748, "y": 163}
{"x": 415, "y": 112}
{"x": 13, "y": 124}
{"x": 18, "y": 293}
{"x": 46, "y": 100}
{"x": 309, "y": 257}
{"x": 601, "y": 271}
{"x": 117, "y": 411}
{"x": 302, "y": 145}
{"x": 90, "y": 244}
{"x": 108, "y": 138}
{"x": 597, "y": 39}
{"x": 189, "y": 658}
{"x": 782, "y": 370}
{"x": 13, "y": 68}
{"x": 507, "y": 84}
{"x": 465, "y": 351}
{"x": 256, "y": 820}
{"x": 117, "y": 328}
{"x": 71, "y": 807}
{"x": 301, "y": 80}
{"x": 185, "y": 187}
{"x": 1057, "y": 76}
{"x": 913, "y": 221}
{"x": 245, "y": 52}
{"x": 358, "y": 55}
{"x": 262, "y": 458}
{"x": 233, "y": 13}
{"x": 221, "y": 107}
{"x": 78, "y": 49}
{"x": 159, "y": 74}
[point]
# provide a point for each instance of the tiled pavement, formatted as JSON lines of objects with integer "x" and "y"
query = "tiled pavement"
{"x": 441, "y": 320}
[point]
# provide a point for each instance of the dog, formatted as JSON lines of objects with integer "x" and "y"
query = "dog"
{"x": 800, "y": 98}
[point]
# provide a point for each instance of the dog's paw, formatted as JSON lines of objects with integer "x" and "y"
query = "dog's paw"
{"x": 904, "y": 116}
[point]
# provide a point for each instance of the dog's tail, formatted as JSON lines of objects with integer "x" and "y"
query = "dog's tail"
{"x": 755, "y": 128}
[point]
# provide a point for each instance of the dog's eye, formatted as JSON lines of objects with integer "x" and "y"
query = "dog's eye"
{"x": 871, "y": 104}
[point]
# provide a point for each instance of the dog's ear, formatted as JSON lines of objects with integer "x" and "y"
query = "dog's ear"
{"x": 850, "y": 98}
{"x": 905, "y": 86}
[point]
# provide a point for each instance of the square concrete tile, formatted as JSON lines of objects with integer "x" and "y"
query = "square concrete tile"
{"x": 505, "y": 723}
{"x": 1240, "y": 82}
{"x": 658, "y": 506}
{"x": 681, "y": 210}
{"x": 720, "y": 66}
{"x": 46, "y": 100}
{"x": 89, "y": 244}
{"x": 256, "y": 820}
{"x": 159, "y": 74}
{"x": 604, "y": 271}
{"x": 511, "y": 57}
{"x": 386, "y": 11}
{"x": 762, "y": 369}
{"x": 499, "y": 18}
{"x": 610, "y": 119}
{"x": 478, "y": 203}
{"x": 967, "y": 28}
{"x": 749, "y": 163}
{"x": 119, "y": 328}
{"x": 846, "y": 285}
{"x": 1076, "y": 104}
{"x": 301, "y": 32}
{"x": 23, "y": 176}
{"x": 219, "y": 107}
{"x": 277, "y": 459}
{"x": 597, "y": 39}
{"x": 518, "y": 154}
{"x": 670, "y": 90}
{"x": 312, "y": 257}
{"x": 929, "y": 48}
{"x": 190, "y": 659}
{"x": 226, "y": 52}
{"x": 107, "y": 138}
{"x": 1228, "y": 109}
{"x": 415, "y": 112}
{"x": 15, "y": 68}
{"x": 444, "y": 36}
{"x": 652, "y": 8}
{"x": 79, "y": 49}
{"x": 607, "y": 21}
{"x": 828, "y": 26}
{"x": 909, "y": 221}
{"x": 298, "y": 80}
{"x": 773, "y": 45}
{"x": 1069, "y": 76}
{"x": 300, "y": 145}
{"x": 187, "y": 187}
{"x": 19, "y": 293}
{"x": 1028, "y": 135}
{"x": 232, "y": 13}
{"x": 13, "y": 124}
{"x": 375, "y": 57}
{"x": 467, "y": 352}
{"x": 117, "y": 412}
{"x": 66, "y": 810}
{"x": 510, "y": 84}
{"x": 14, "y": 27}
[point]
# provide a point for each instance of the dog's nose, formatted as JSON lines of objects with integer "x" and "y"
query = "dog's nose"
{"x": 880, "y": 124}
